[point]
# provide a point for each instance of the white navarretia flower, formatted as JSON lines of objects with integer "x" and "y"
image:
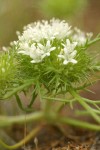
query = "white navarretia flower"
{"x": 36, "y": 55}
{"x": 32, "y": 51}
{"x": 39, "y": 39}
{"x": 60, "y": 29}
{"x": 24, "y": 48}
{"x": 81, "y": 37}
{"x": 36, "y": 52}
{"x": 46, "y": 49}
{"x": 68, "y": 53}
{"x": 45, "y": 30}
{"x": 89, "y": 35}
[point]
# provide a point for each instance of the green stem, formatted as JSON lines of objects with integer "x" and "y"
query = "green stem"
{"x": 18, "y": 89}
{"x": 93, "y": 41}
{"x": 47, "y": 107}
{"x": 62, "y": 100}
{"x": 91, "y": 101}
{"x": 62, "y": 105}
{"x": 85, "y": 105}
{"x": 77, "y": 123}
{"x": 6, "y": 121}
{"x": 86, "y": 112}
{"x": 68, "y": 100}
{"x": 22, "y": 142}
{"x": 98, "y": 107}
{"x": 59, "y": 99}
{"x": 52, "y": 118}
{"x": 34, "y": 95}
{"x": 21, "y": 105}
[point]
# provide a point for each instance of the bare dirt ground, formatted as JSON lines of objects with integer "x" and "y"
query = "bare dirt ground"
{"x": 53, "y": 138}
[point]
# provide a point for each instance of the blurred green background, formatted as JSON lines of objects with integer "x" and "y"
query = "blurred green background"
{"x": 14, "y": 14}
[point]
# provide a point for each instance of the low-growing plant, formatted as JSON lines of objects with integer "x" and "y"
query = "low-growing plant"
{"x": 50, "y": 59}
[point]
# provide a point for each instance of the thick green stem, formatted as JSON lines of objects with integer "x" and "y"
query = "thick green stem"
{"x": 22, "y": 142}
{"x": 52, "y": 118}
{"x": 47, "y": 107}
{"x": 9, "y": 120}
{"x": 77, "y": 123}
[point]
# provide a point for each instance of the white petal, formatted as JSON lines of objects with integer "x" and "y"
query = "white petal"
{"x": 73, "y": 54}
{"x": 33, "y": 46}
{"x": 65, "y": 62}
{"x": 75, "y": 44}
{"x": 48, "y": 44}
{"x": 40, "y": 46}
{"x": 73, "y": 61}
{"x": 66, "y": 50}
{"x": 33, "y": 61}
{"x": 61, "y": 56}
{"x": 48, "y": 54}
{"x": 68, "y": 42}
{"x": 52, "y": 48}
{"x": 23, "y": 52}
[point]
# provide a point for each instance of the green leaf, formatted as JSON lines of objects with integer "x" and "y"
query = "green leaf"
{"x": 18, "y": 89}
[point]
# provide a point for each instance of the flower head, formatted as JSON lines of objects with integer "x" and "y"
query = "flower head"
{"x": 36, "y": 38}
{"x": 50, "y": 52}
{"x": 39, "y": 39}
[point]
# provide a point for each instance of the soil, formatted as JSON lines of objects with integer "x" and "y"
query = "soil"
{"x": 54, "y": 138}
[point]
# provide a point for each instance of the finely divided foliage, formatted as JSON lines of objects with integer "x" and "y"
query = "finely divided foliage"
{"x": 50, "y": 52}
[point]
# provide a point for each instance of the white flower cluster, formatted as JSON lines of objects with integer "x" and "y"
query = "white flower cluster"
{"x": 45, "y": 30}
{"x": 81, "y": 37}
{"x": 39, "y": 39}
{"x": 37, "y": 53}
